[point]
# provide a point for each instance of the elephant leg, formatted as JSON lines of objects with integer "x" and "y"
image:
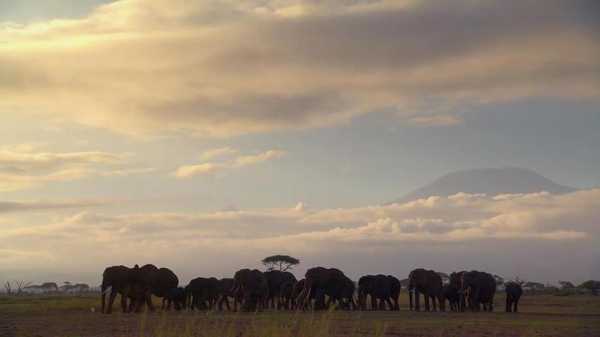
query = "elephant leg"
{"x": 329, "y": 301}
{"x": 111, "y": 300}
{"x": 381, "y": 305}
{"x": 149, "y": 302}
{"x": 390, "y": 304}
{"x": 131, "y": 306}
{"x": 319, "y": 300}
{"x": 516, "y": 304}
{"x": 433, "y": 300}
{"x": 417, "y": 300}
{"x": 103, "y": 298}
{"x": 508, "y": 306}
{"x": 427, "y": 307}
{"x": 124, "y": 305}
{"x": 396, "y": 304}
{"x": 442, "y": 302}
{"x": 286, "y": 303}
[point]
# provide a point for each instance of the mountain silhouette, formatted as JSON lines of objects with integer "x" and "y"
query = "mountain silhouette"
{"x": 491, "y": 181}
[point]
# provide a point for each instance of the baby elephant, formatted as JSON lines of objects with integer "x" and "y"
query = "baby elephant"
{"x": 513, "y": 294}
{"x": 176, "y": 296}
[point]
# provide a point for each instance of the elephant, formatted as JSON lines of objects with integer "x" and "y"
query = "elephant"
{"x": 225, "y": 292}
{"x": 287, "y": 294}
{"x": 513, "y": 295}
{"x": 429, "y": 283}
{"x": 457, "y": 294}
{"x": 165, "y": 281}
{"x": 176, "y": 297}
{"x": 129, "y": 283}
{"x": 395, "y": 291}
{"x": 452, "y": 295}
{"x": 343, "y": 295}
{"x": 202, "y": 293}
{"x": 145, "y": 277}
{"x": 296, "y": 291}
{"x": 332, "y": 282}
{"x": 252, "y": 286}
{"x": 380, "y": 288}
{"x": 479, "y": 289}
{"x": 277, "y": 280}
{"x": 156, "y": 281}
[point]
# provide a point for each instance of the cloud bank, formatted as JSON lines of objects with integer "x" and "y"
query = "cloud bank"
{"x": 224, "y": 68}
{"x": 508, "y": 233}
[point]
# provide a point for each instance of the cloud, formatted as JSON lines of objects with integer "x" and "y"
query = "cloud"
{"x": 19, "y": 206}
{"x": 218, "y": 152}
{"x": 435, "y": 120}
{"x": 158, "y": 66}
{"x": 25, "y": 166}
{"x": 210, "y": 168}
{"x": 461, "y": 231}
{"x": 188, "y": 171}
{"x": 242, "y": 161}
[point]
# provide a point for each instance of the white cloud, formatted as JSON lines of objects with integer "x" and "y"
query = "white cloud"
{"x": 210, "y": 168}
{"x": 196, "y": 66}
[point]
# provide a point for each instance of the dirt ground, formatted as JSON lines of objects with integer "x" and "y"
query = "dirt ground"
{"x": 542, "y": 315}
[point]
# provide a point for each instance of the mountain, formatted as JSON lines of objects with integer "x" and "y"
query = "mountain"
{"x": 491, "y": 181}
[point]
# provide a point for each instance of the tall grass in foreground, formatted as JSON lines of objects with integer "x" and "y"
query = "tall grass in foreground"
{"x": 214, "y": 324}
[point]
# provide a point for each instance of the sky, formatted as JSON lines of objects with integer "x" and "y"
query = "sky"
{"x": 204, "y": 135}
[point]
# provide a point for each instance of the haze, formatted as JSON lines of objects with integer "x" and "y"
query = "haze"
{"x": 206, "y": 135}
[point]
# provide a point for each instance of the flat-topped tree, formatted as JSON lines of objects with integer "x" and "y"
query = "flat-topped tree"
{"x": 280, "y": 262}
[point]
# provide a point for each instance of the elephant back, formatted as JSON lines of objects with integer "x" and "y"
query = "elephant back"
{"x": 116, "y": 276}
{"x": 164, "y": 280}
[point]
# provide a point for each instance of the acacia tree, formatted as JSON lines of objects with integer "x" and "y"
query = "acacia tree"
{"x": 280, "y": 262}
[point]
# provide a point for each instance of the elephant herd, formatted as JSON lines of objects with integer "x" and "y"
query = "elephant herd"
{"x": 473, "y": 290}
{"x": 321, "y": 289}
